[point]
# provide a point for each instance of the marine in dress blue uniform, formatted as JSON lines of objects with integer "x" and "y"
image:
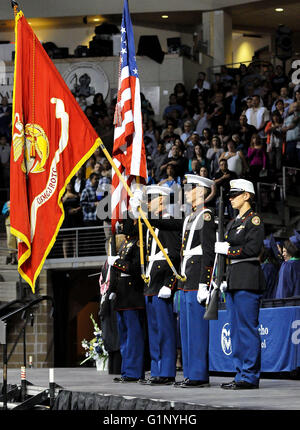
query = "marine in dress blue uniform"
{"x": 126, "y": 290}
{"x": 160, "y": 289}
{"x": 245, "y": 283}
{"x": 289, "y": 273}
{"x": 197, "y": 258}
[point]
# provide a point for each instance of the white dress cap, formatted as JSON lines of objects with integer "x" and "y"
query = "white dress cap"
{"x": 241, "y": 185}
{"x": 199, "y": 180}
{"x": 157, "y": 189}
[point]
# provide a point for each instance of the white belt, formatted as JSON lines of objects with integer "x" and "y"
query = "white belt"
{"x": 243, "y": 260}
{"x": 158, "y": 256}
{"x": 195, "y": 251}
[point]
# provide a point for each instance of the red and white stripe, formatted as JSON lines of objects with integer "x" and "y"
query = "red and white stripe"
{"x": 129, "y": 150}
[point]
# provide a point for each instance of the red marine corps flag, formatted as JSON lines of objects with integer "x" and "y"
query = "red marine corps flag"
{"x": 51, "y": 140}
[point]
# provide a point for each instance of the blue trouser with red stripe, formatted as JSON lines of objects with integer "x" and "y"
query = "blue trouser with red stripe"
{"x": 194, "y": 337}
{"x": 162, "y": 336}
{"x": 243, "y": 310}
{"x": 131, "y": 333}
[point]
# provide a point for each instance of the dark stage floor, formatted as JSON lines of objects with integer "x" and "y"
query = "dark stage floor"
{"x": 274, "y": 394}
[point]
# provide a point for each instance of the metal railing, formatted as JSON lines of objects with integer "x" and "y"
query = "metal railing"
{"x": 80, "y": 242}
{"x": 27, "y": 314}
{"x": 268, "y": 197}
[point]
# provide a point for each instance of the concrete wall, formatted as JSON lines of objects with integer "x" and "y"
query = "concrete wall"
{"x": 244, "y": 47}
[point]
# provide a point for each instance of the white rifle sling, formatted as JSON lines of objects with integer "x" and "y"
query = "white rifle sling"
{"x": 189, "y": 252}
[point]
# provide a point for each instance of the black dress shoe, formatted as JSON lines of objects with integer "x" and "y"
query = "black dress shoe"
{"x": 162, "y": 381}
{"x": 190, "y": 383}
{"x": 125, "y": 379}
{"x": 226, "y": 384}
{"x": 241, "y": 385}
{"x": 147, "y": 381}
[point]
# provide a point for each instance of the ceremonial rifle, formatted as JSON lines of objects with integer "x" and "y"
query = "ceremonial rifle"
{"x": 212, "y": 304}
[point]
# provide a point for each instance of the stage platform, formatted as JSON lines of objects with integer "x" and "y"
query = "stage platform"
{"x": 83, "y": 385}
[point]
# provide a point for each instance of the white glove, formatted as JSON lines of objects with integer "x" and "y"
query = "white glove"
{"x": 202, "y": 293}
{"x": 139, "y": 195}
{"x": 221, "y": 247}
{"x": 134, "y": 204}
{"x": 223, "y": 287}
{"x": 111, "y": 259}
{"x": 165, "y": 293}
{"x": 136, "y": 201}
{"x": 112, "y": 296}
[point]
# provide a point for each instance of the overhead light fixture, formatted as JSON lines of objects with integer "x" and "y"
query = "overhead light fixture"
{"x": 279, "y": 9}
{"x": 96, "y": 19}
{"x": 165, "y": 16}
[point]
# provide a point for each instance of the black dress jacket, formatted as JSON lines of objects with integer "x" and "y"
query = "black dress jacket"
{"x": 245, "y": 236}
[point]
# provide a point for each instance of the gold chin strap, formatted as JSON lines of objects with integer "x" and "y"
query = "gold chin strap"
{"x": 143, "y": 216}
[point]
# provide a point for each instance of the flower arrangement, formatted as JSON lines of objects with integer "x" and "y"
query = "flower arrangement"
{"x": 95, "y": 348}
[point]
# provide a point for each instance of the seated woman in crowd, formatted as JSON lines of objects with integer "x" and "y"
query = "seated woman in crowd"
{"x": 289, "y": 273}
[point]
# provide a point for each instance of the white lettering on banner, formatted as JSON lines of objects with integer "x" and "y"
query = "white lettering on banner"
{"x": 296, "y": 334}
{"x": 263, "y": 330}
{"x": 48, "y": 192}
{"x": 51, "y": 186}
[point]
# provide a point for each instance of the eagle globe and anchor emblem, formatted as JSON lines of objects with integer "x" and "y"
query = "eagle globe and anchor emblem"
{"x": 226, "y": 339}
{"x": 36, "y": 148}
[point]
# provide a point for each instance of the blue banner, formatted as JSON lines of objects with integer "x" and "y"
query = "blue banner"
{"x": 279, "y": 329}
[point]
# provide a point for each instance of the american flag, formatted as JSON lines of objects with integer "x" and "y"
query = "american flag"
{"x": 129, "y": 152}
